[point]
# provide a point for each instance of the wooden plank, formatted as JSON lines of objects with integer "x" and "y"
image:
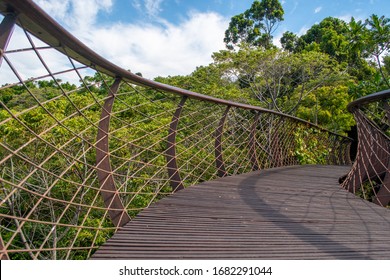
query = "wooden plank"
{"x": 281, "y": 213}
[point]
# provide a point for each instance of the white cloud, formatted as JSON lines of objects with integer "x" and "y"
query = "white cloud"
{"x": 276, "y": 39}
{"x": 317, "y": 10}
{"x": 75, "y": 13}
{"x": 153, "y": 7}
{"x": 28, "y": 64}
{"x": 137, "y": 4}
{"x": 57, "y": 9}
{"x": 303, "y": 30}
{"x": 85, "y": 12}
{"x": 294, "y": 8}
{"x": 160, "y": 51}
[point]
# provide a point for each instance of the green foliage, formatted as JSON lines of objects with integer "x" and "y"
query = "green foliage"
{"x": 329, "y": 36}
{"x": 209, "y": 80}
{"x": 291, "y": 42}
{"x": 274, "y": 77}
{"x": 310, "y": 149}
{"x": 68, "y": 123}
{"x": 357, "y": 43}
{"x": 386, "y": 62}
{"x": 53, "y": 124}
{"x": 256, "y": 25}
{"x": 327, "y": 106}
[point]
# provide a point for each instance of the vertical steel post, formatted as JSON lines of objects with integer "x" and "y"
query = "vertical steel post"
{"x": 218, "y": 145}
{"x": 7, "y": 27}
{"x": 173, "y": 171}
{"x": 252, "y": 143}
{"x": 108, "y": 189}
{"x": 277, "y": 155}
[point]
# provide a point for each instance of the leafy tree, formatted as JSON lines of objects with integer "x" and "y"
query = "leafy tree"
{"x": 378, "y": 40}
{"x": 256, "y": 25}
{"x": 329, "y": 36}
{"x": 326, "y": 106}
{"x": 356, "y": 35}
{"x": 360, "y": 45}
{"x": 271, "y": 76}
{"x": 291, "y": 42}
{"x": 210, "y": 80}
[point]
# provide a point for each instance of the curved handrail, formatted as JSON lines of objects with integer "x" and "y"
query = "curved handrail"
{"x": 370, "y": 174}
{"x": 378, "y": 96}
{"x": 79, "y": 163}
{"x": 41, "y": 25}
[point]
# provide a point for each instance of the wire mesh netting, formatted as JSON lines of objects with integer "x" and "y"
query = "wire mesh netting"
{"x": 370, "y": 175}
{"x": 83, "y": 152}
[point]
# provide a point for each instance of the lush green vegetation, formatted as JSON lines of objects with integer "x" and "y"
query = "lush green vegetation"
{"x": 312, "y": 76}
{"x": 48, "y": 128}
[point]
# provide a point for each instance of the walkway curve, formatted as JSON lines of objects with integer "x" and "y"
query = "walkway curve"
{"x": 282, "y": 213}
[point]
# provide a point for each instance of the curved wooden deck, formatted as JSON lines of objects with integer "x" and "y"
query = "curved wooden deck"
{"x": 282, "y": 213}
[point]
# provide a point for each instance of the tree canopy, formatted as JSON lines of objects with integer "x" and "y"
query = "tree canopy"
{"x": 256, "y": 25}
{"x": 335, "y": 60}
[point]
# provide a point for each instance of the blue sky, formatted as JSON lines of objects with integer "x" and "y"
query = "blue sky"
{"x": 298, "y": 13}
{"x": 172, "y": 37}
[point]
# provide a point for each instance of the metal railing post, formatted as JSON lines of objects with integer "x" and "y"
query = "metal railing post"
{"x": 108, "y": 190}
{"x": 218, "y": 145}
{"x": 252, "y": 143}
{"x": 173, "y": 171}
{"x": 7, "y": 27}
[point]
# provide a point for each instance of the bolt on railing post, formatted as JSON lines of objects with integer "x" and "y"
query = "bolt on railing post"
{"x": 108, "y": 190}
{"x": 252, "y": 143}
{"x": 173, "y": 171}
{"x": 7, "y": 27}
{"x": 218, "y": 145}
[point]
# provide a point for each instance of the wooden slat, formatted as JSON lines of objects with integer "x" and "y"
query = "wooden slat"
{"x": 280, "y": 213}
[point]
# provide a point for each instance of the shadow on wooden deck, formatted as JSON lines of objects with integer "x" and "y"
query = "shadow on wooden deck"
{"x": 283, "y": 213}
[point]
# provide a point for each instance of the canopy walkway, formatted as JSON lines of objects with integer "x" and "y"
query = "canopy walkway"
{"x": 97, "y": 162}
{"x": 295, "y": 212}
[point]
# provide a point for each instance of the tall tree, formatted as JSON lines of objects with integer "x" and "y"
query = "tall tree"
{"x": 272, "y": 76}
{"x": 256, "y": 25}
{"x": 329, "y": 36}
{"x": 379, "y": 40}
{"x": 291, "y": 42}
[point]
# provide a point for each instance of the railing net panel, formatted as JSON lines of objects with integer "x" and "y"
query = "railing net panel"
{"x": 82, "y": 153}
{"x": 370, "y": 174}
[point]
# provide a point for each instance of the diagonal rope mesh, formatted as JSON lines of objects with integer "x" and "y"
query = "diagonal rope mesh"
{"x": 370, "y": 175}
{"x": 85, "y": 145}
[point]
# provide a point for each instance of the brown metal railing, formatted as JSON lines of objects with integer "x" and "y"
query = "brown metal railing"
{"x": 370, "y": 175}
{"x": 79, "y": 161}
